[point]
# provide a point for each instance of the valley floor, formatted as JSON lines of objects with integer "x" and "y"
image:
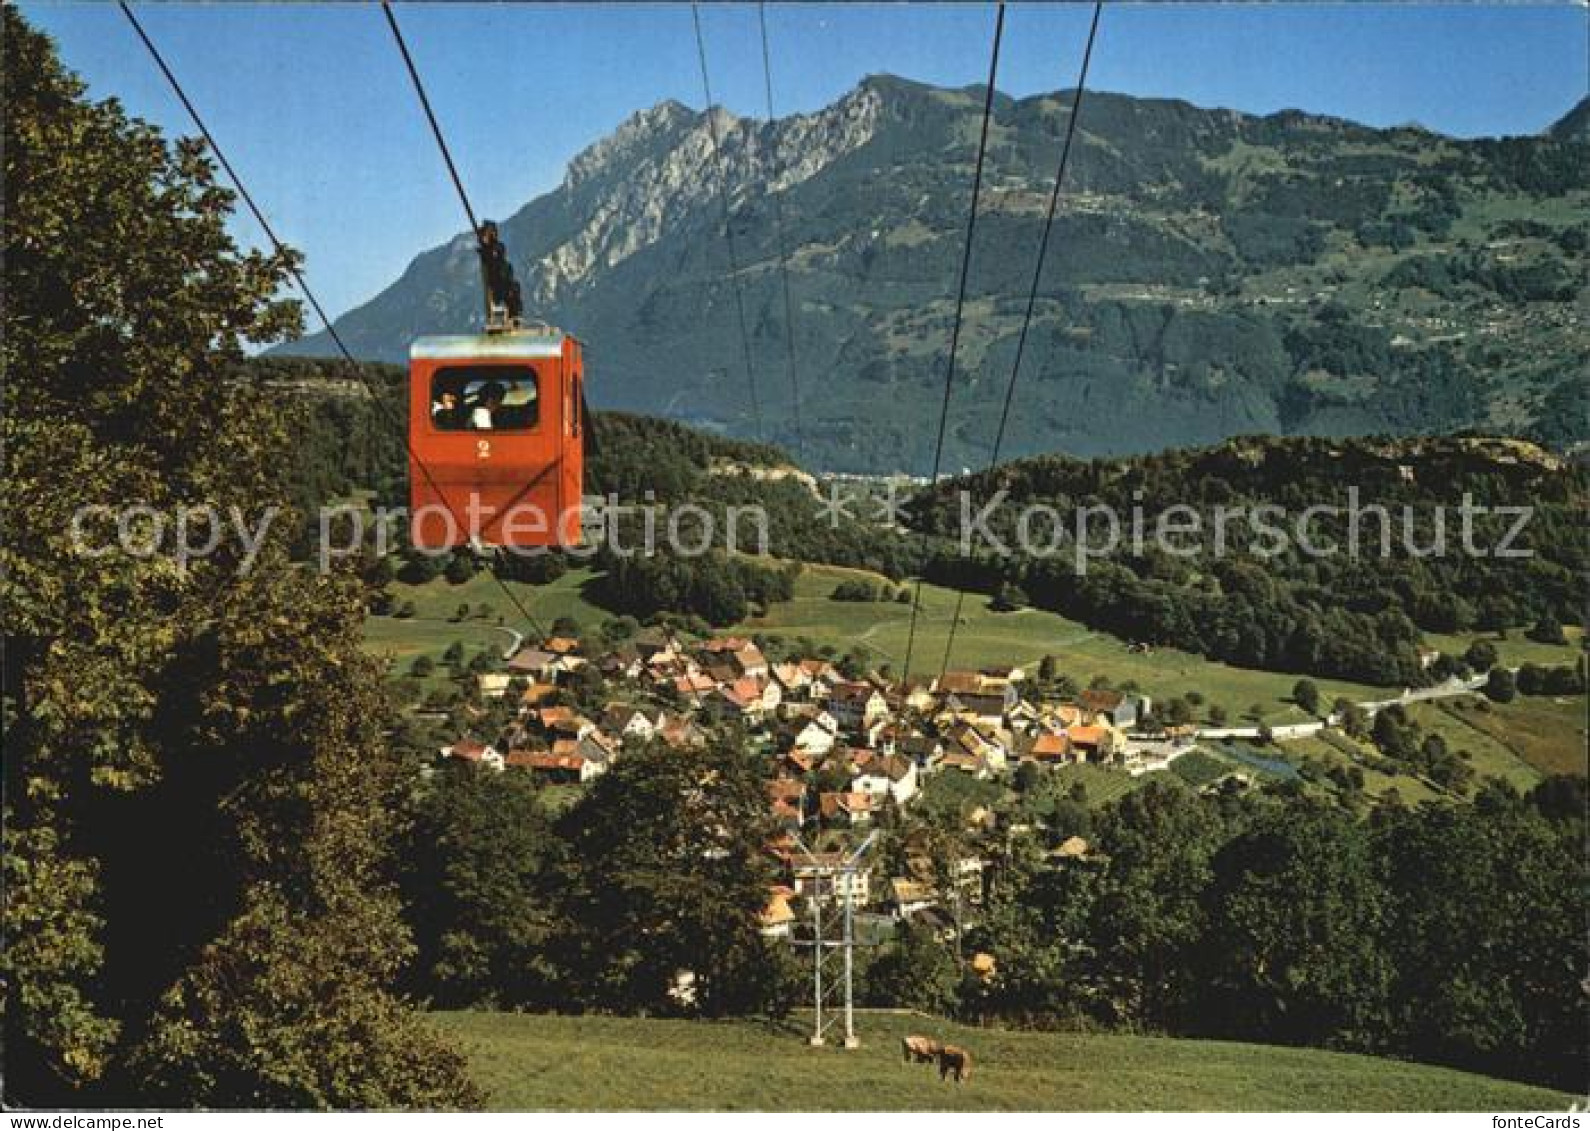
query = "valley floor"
{"x": 603, "y": 1063}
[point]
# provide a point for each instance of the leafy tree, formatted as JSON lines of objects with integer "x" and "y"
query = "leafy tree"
{"x": 1548, "y": 630}
{"x": 420, "y": 568}
{"x": 460, "y": 568}
{"x": 206, "y": 723}
{"x": 667, "y": 875}
{"x": 1147, "y": 914}
{"x": 1306, "y": 695}
{"x": 1480, "y": 656}
{"x": 1032, "y": 920}
{"x": 422, "y": 666}
{"x": 1486, "y": 935}
{"x": 916, "y": 972}
{"x": 480, "y": 890}
{"x": 1008, "y": 599}
{"x": 1501, "y": 686}
{"x": 1293, "y": 949}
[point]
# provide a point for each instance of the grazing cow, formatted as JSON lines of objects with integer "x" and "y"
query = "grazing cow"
{"x": 956, "y": 1060}
{"x": 923, "y": 1050}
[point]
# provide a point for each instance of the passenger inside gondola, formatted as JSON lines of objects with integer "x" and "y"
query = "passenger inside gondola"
{"x": 485, "y": 399}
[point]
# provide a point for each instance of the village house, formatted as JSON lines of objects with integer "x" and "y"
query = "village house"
{"x": 845, "y": 808}
{"x": 908, "y": 897}
{"x": 799, "y": 762}
{"x": 819, "y": 735}
{"x": 536, "y": 663}
{"x": 493, "y": 685}
{"x": 787, "y": 800}
{"x": 959, "y": 683}
{"x": 650, "y": 643}
{"x": 792, "y": 679}
{"x": 558, "y": 769}
{"x": 777, "y": 920}
{"x": 983, "y": 707}
{"x": 679, "y": 731}
{"x": 873, "y": 734}
{"x": 1095, "y": 744}
{"x": 624, "y": 664}
{"x": 991, "y": 744}
{"x": 627, "y": 721}
{"x": 888, "y": 776}
{"x": 915, "y": 694}
{"x": 694, "y": 685}
{"x": 476, "y": 753}
{"x": 821, "y": 676}
{"x": 815, "y": 875}
{"x": 857, "y": 705}
{"x": 924, "y": 749}
{"x": 1048, "y": 749}
{"x": 538, "y": 693}
{"x": 1119, "y": 709}
{"x": 563, "y": 722}
{"x": 959, "y": 758}
{"x": 747, "y": 699}
{"x": 1059, "y": 717}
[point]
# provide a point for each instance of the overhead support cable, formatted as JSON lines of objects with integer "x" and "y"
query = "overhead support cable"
{"x": 783, "y": 252}
{"x": 960, "y": 306}
{"x": 1032, "y": 294}
{"x": 287, "y": 257}
{"x": 430, "y": 116}
{"x": 728, "y": 223}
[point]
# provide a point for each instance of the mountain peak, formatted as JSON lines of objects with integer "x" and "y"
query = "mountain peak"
{"x": 645, "y": 131}
{"x": 1574, "y": 125}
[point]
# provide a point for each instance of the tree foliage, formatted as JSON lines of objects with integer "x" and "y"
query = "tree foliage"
{"x": 196, "y": 907}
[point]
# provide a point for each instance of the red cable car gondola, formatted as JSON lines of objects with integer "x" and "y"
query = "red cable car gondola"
{"x": 496, "y": 427}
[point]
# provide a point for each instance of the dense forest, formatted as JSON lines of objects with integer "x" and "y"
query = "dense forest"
{"x": 198, "y": 799}
{"x": 1261, "y": 603}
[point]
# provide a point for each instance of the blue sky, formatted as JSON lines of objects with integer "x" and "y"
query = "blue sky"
{"x": 314, "y": 109}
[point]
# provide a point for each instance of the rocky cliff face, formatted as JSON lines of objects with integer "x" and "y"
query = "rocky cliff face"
{"x": 1211, "y": 273}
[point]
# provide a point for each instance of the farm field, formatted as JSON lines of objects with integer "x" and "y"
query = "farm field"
{"x": 987, "y": 638}
{"x": 1492, "y": 752}
{"x": 1410, "y": 789}
{"x": 527, "y": 1061}
{"x": 431, "y": 629}
{"x": 1547, "y": 734}
{"x": 1515, "y": 648}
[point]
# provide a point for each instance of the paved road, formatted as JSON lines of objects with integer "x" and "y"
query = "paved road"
{"x": 518, "y": 639}
{"x": 1447, "y": 690}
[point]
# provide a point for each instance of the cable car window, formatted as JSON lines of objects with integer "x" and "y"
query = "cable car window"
{"x": 485, "y": 398}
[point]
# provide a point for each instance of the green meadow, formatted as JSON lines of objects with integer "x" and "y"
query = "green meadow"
{"x": 533, "y": 1062}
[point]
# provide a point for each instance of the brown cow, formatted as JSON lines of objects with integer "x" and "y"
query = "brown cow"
{"x": 923, "y": 1050}
{"x": 956, "y": 1060}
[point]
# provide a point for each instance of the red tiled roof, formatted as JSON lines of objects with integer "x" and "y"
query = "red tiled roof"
{"x": 1087, "y": 736}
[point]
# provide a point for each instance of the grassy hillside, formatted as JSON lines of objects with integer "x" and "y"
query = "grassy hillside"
{"x": 984, "y": 638}
{"x": 1548, "y": 734}
{"x": 567, "y": 1063}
